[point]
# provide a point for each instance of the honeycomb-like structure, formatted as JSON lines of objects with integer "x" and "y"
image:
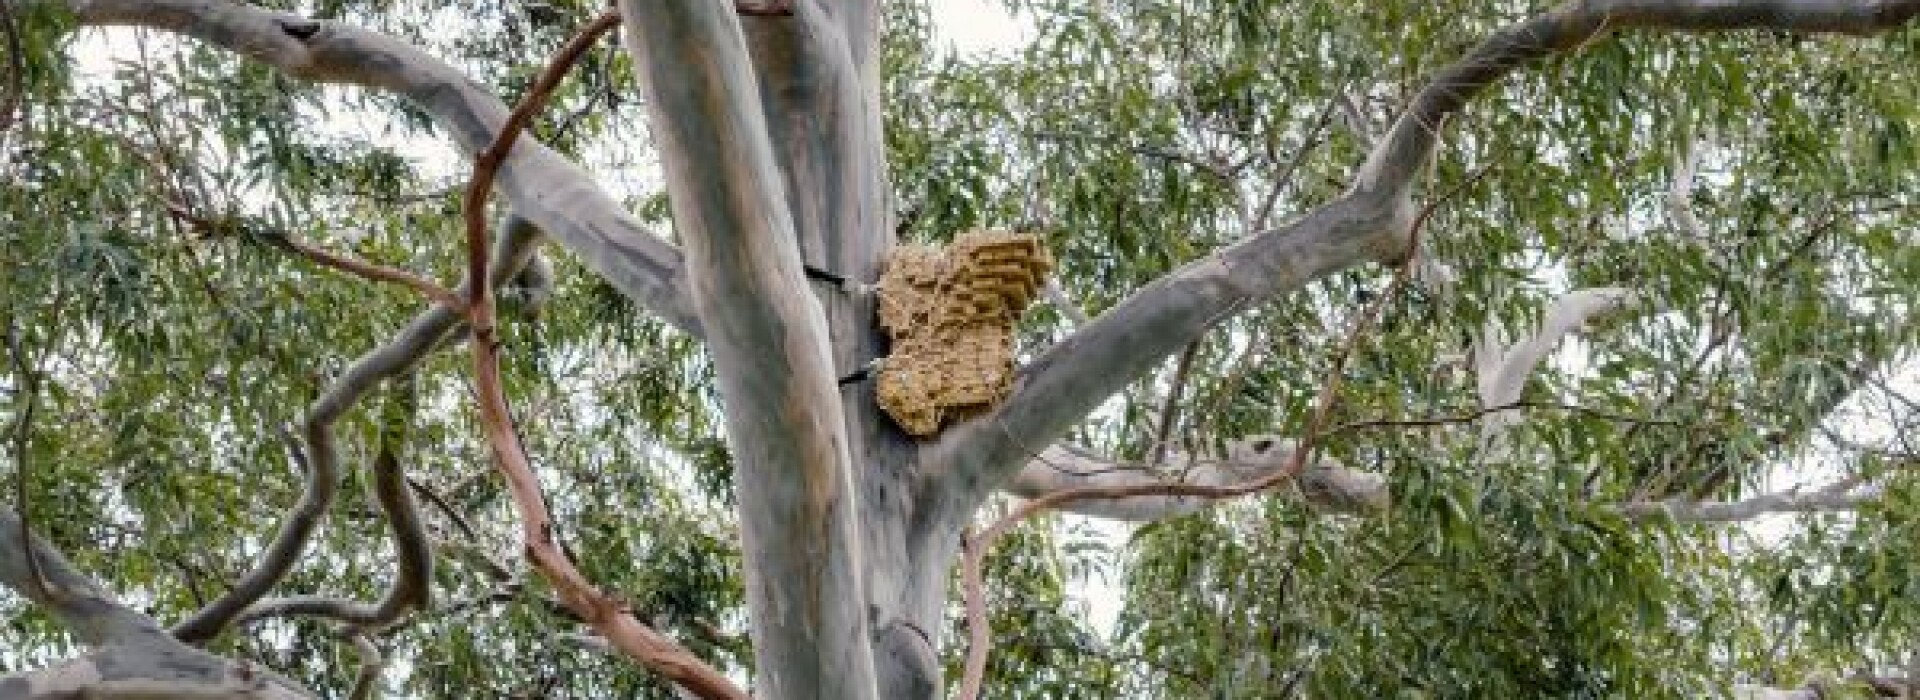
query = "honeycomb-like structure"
{"x": 950, "y": 312}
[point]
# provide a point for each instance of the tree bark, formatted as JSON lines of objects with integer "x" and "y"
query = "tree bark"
{"x": 767, "y": 337}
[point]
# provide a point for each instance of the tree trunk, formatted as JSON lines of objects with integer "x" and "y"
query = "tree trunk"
{"x": 816, "y": 78}
{"x": 819, "y": 91}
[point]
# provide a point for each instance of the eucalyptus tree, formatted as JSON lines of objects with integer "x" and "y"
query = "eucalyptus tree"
{"x": 1307, "y": 250}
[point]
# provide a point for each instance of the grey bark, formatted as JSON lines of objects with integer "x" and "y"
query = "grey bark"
{"x": 766, "y": 335}
{"x": 132, "y": 656}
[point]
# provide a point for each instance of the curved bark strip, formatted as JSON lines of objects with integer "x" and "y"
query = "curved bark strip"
{"x": 1501, "y": 369}
{"x": 605, "y": 614}
{"x": 543, "y": 186}
{"x": 769, "y": 343}
{"x": 1324, "y": 485}
{"x": 421, "y": 336}
{"x": 1369, "y": 222}
{"x": 132, "y": 657}
{"x": 1844, "y": 496}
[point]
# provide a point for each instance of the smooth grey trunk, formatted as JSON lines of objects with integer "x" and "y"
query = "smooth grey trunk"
{"x": 819, "y": 91}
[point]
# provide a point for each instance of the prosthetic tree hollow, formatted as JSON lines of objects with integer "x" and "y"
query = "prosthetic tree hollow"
{"x": 770, "y": 129}
{"x": 950, "y": 313}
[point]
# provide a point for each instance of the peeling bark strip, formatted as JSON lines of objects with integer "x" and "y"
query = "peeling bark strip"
{"x": 768, "y": 340}
{"x": 602, "y": 612}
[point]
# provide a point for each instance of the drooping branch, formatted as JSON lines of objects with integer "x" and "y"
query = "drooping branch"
{"x": 26, "y": 390}
{"x": 546, "y": 188}
{"x": 1324, "y": 485}
{"x": 366, "y": 683}
{"x": 769, "y": 344}
{"x": 133, "y": 657}
{"x": 413, "y": 576}
{"x": 412, "y": 343}
{"x": 1368, "y": 222}
{"x": 606, "y": 614}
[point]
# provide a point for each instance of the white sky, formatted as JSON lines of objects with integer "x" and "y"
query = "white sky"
{"x": 974, "y": 26}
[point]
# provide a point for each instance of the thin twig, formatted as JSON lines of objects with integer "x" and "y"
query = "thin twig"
{"x": 328, "y": 259}
{"x": 1211, "y": 168}
{"x": 607, "y": 615}
{"x": 1170, "y": 408}
{"x": 377, "y": 273}
{"x": 1308, "y": 144}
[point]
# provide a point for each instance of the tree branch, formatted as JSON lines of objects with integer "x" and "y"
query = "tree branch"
{"x": 366, "y": 683}
{"x": 414, "y": 572}
{"x": 133, "y": 657}
{"x": 38, "y": 572}
{"x": 1324, "y": 485}
{"x": 328, "y": 259}
{"x": 980, "y": 638}
{"x": 26, "y": 386}
{"x": 609, "y": 616}
{"x": 542, "y": 186}
{"x": 1368, "y": 222}
{"x": 1830, "y": 499}
{"x": 400, "y": 354}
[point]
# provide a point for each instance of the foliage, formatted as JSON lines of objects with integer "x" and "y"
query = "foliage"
{"x": 1136, "y": 136}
